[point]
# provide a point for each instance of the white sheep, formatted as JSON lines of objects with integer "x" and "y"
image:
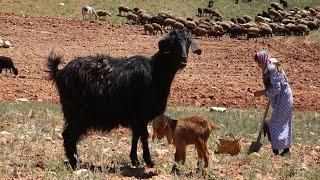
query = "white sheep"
{"x": 89, "y": 11}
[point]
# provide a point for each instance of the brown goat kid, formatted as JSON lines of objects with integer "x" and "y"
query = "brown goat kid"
{"x": 186, "y": 131}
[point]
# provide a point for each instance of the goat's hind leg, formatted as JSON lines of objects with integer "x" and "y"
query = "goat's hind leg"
{"x": 146, "y": 151}
{"x": 70, "y": 137}
{"x": 134, "y": 146}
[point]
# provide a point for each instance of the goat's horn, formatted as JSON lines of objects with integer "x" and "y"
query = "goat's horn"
{"x": 195, "y": 48}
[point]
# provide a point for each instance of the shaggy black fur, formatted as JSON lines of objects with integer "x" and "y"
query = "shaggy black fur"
{"x": 102, "y": 92}
{"x": 7, "y": 63}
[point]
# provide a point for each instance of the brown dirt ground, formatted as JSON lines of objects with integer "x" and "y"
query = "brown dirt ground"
{"x": 224, "y": 75}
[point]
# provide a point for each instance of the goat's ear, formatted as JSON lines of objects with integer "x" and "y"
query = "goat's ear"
{"x": 195, "y": 48}
{"x": 163, "y": 45}
{"x": 173, "y": 123}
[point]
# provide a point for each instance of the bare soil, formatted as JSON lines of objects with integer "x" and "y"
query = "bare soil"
{"x": 224, "y": 75}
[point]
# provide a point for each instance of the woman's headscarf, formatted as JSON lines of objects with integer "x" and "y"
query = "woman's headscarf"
{"x": 263, "y": 58}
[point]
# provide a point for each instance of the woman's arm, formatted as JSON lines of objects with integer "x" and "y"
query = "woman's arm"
{"x": 275, "y": 87}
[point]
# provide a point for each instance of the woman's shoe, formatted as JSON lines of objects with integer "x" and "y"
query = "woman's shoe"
{"x": 286, "y": 153}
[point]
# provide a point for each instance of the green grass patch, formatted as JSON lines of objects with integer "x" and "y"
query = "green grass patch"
{"x": 183, "y": 8}
{"x": 31, "y": 146}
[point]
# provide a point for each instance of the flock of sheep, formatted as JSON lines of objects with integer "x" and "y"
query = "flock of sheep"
{"x": 273, "y": 21}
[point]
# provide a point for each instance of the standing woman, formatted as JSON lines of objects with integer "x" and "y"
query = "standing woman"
{"x": 279, "y": 94}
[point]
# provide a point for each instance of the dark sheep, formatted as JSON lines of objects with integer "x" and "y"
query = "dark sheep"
{"x": 210, "y": 3}
{"x": 157, "y": 19}
{"x": 284, "y": 3}
{"x": 7, "y": 63}
{"x": 241, "y": 20}
{"x": 234, "y": 20}
{"x": 123, "y": 9}
{"x": 200, "y": 12}
{"x": 206, "y": 11}
{"x": 103, "y": 92}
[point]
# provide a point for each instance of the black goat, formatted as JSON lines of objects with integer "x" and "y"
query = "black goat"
{"x": 7, "y": 63}
{"x": 102, "y": 92}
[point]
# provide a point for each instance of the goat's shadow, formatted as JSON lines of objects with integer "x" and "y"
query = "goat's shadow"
{"x": 124, "y": 170}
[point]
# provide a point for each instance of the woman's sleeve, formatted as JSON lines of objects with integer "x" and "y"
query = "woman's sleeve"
{"x": 275, "y": 87}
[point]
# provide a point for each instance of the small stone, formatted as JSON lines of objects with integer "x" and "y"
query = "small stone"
{"x": 1, "y": 42}
{"x": 82, "y": 172}
{"x": 5, "y": 133}
{"x": 7, "y": 44}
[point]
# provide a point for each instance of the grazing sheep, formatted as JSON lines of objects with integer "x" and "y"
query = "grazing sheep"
{"x": 247, "y": 18}
{"x": 302, "y": 30}
{"x": 181, "y": 19}
{"x": 118, "y": 91}
{"x": 186, "y": 131}
{"x": 199, "y": 31}
{"x": 260, "y": 19}
{"x": 157, "y": 19}
{"x": 225, "y": 25}
{"x": 123, "y": 9}
{"x": 190, "y": 25}
{"x": 144, "y": 18}
{"x": 206, "y": 11}
{"x": 218, "y": 28}
{"x": 273, "y": 26}
{"x": 7, "y": 63}
{"x": 178, "y": 25}
{"x": 266, "y": 14}
{"x": 282, "y": 31}
{"x": 103, "y": 13}
{"x": 200, "y": 12}
{"x": 284, "y": 3}
{"x": 141, "y": 11}
{"x": 265, "y": 31}
{"x": 312, "y": 25}
{"x": 204, "y": 25}
{"x": 166, "y": 14}
{"x": 241, "y": 20}
{"x": 135, "y": 10}
{"x": 148, "y": 28}
{"x": 156, "y": 28}
{"x": 237, "y": 31}
{"x": 215, "y": 13}
{"x": 132, "y": 18}
{"x": 252, "y": 35}
{"x": 253, "y": 30}
{"x": 89, "y": 11}
{"x": 276, "y": 6}
{"x": 276, "y": 14}
{"x": 215, "y": 34}
{"x": 210, "y": 3}
{"x": 169, "y": 22}
{"x": 287, "y": 21}
{"x": 234, "y": 20}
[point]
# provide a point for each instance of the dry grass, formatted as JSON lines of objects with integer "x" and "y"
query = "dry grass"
{"x": 31, "y": 147}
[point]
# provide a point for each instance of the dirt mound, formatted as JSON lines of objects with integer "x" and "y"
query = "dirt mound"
{"x": 224, "y": 75}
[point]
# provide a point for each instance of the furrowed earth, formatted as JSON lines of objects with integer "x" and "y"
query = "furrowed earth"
{"x": 223, "y": 75}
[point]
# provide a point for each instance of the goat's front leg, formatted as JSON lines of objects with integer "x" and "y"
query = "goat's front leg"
{"x": 146, "y": 152}
{"x": 134, "y": 144}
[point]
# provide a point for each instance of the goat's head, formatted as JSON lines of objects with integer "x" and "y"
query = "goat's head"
{"x": 163, "y": 126}
{"x": 177, "y": 43}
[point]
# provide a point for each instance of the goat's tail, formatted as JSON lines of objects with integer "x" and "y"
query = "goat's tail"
{"x": 53, "y": 61}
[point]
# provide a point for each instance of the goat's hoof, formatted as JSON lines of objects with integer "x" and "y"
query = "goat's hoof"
{"x": 70, "y": 166}
{"x": 150, "y": 163}
{"x": 135, "y": 163}
{"x": 175, "y": 170}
